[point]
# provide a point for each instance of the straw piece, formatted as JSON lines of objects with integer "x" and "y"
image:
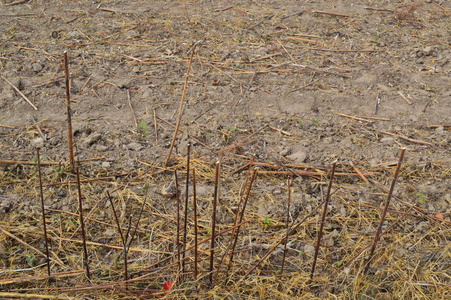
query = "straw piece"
{"x": 20, "y": 93}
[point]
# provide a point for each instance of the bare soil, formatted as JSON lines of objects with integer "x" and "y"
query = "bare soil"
{"x": 297, "y": 84}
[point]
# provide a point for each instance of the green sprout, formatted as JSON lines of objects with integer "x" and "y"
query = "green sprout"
{"x": 315, "y": 121}
{"x": 30, "y": 258}
{"x": 143, "y": 125}
{"x": 58, "y": 170}
{"x": 267, "y": 223}
{"x": 421, "y": 197}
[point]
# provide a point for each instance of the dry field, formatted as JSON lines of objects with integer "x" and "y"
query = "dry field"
{"x": 269, "y": 95}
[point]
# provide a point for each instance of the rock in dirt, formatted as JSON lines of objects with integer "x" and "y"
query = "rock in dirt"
{"x": 38, "y": 142}
{"x": 299, "y": 156}
{"x": 6, "y": 204}
{"x": 309, "y": 249}
{"x": 92, "y": 138}
{"x": 101, "y": 148}
{"x": 285, "y": 152}
{"x": 422, "y": 227}
{"x": 110, "y": 233}
{"x": 37, "y": 67}
{"x": 134, "y": 146}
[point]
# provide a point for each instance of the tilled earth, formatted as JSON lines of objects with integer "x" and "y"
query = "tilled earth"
{"x": 297, "y": 84}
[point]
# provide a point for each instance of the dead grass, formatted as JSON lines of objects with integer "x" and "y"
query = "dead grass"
{"x": 412, "y": 257}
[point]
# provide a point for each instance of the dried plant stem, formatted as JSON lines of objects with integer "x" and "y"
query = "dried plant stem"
{"x": 384, "y": 212}
{"x": 182, "y": 100}
{"x": 155, "y": 125}
{"x": 20, "y": 93}
{"x": 177, "y": 199}
{"x": 69, "y": 115}
{"x": 195, "y": 225}
{"x": 358, "y": 172}
{"x": 213, "y": 224}
{"x": 82, "y": 223}
{"x": 407, "y": 139}
{"x": 287, "y": 224}
{"x": 323, "y": 218}
{"x": 185, "y": 220}
{"x": 243, "y": 189}
{"x": 120, "y": 233}
{"x": 254, "y": 176}
{"x": 131, "y": 108}
{"x": 41, "y": 194}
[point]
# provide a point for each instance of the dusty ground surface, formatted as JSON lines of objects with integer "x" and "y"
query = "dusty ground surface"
{"x": 270, "y": 78}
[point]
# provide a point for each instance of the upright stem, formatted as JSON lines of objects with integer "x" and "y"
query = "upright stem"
{"x": 82, "y": 223}
{"x": 179, "y": 118}
{"x": 241, "y": 198}
{"x": 195, "y": 224}
{"x": 185, "y": 220}
{"x": 213, "y": 224}
{"x": 384, "y": 212}
{"x": 323, "y": 217}
{"x": 69, "y": 114}
{"x": 287, "y": 224}
{"x": 237, "y": 233}
{"x": 177, "y": 198}
{"x": 43, "y": 213}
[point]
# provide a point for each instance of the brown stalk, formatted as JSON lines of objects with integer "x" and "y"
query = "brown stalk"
{"x": 358, "y": 172}
{"x": 131, "y": 108}
{"x": 121, "y": 234}
{"x": 69, "y": 115}
{"x": 384, "y": 212}
{"x": 182, "y": 100}
{"x": 82, "y": 223}
{"x": 137, "y": 223}
{"x": 407, "y": 139}
{"x": 155, "y": 125}
{"x": 128, "y": 239}
{"x": 323, "y": 218}
{"x": 20, "y": 93}
{"x": 185, "y": 220}
{"x": 243, "y": 189}
{"x": 288, "y": 224}
{"x": 41, "y": 193}
{"x": 35, "y": 123}
{"x": 354, "y": 118}
{"x": 195, "y": 224}
{"x": 213, "y": 224}
{"x": 328, "y": 13}
{"x": 177, "y": 198}
{"x": 254, "y": 176}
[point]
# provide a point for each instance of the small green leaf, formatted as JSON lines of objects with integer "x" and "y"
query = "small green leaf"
{"x": 30, "y": 259}
{"x": 58, "y": 170}
{"x": 339, "y": 263}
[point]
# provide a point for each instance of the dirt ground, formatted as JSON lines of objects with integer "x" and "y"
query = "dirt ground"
{"x": 298, "y": 84}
